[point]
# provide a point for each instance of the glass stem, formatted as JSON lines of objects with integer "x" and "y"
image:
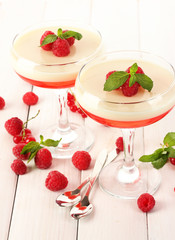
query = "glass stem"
{"x": 129, "y": 172}
{"x": 63, "y": 123}
{"x": 128, "y": 139}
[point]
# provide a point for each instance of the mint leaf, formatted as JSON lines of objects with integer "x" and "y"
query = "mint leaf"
{"x": 30, "y": 147}
{"x": 144, "y": 81}
{"x": 51, "y": 143}
{"x": 169, "y": 139}
{"x": 132, "y": 80}
{"x": 133, "y": 69}
{"x": 171, "y": 152}
{"x": 115, "y": 80}
{"x": 159, "y": 163}
{"x": 33, "y": 153}
{"x": 49, "y": 39}
{"x": 152, "y": 157}
{"x": 74, "y": 34}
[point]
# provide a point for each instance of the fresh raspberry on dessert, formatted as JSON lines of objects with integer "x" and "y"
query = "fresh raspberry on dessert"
{"x": 119, "y": 143}
{"x": 109, "y": 73}
{"x": 129, "y": 91}
{"x": 70, "y": 40}
{"x": 172, "y": 160}
{"x": 2, "y": 103}
{"x": 14, "y": 126}
{"x": 30, "y": 98}
{"x": 48, "y": 46}
{"x": 146, "y": 202}
{"x": 17, "y": 151}
{"x": 81, "y": 160}
{"x": 43, "y": 158}
{"x": 19, "y": 167}
{"x": 61, "y": 48}
{"x": 56, "y": 181}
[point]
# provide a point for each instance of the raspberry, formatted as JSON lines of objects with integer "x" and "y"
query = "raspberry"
{"x": 43, "y": 158}
{"x": 119, "y": 143}
{"x": 17, "y": 151}
{"x": 19, "y": 167}
{"x": 146, "y": 202}
{"x": 2, "y": 103}
{"x": 14, "y": 126}
{"x": 109, "y": 73}
{"x": 30, "y": 98}
{"x": 48, "y": 46}
{"x": 172, "y": 160}
{"x": 129, "y": 91}
{"x": 56, "y": 181}
{"x": 70, "y": 40}
{"x": 60, "y": 48}
{"x": 81, "y": 160}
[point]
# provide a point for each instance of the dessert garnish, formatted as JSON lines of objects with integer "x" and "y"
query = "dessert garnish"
{"x": 128, "y": 81}
{"x": 161, "y": 156}
{"x": 59, "y": 43}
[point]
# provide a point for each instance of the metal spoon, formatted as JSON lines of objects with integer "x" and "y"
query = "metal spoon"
{"x": 70, "y": 198}
{"x": 84, "y": 207}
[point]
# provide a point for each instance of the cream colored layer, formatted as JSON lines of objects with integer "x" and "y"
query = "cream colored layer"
{"x": 33, "y": 62}
{"x": 114, "y": 105}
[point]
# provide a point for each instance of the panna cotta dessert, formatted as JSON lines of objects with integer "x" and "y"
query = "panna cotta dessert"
{"x": 43, "y": 68}
{"x": 113, "y": 108}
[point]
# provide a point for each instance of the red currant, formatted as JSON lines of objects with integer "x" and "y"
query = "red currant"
{"x": 29, "y": 138}
{"x": 172, "y": 160}
{"x": 73, "y": 108}
{"x": 70, "y": 103}
{"x": 17, "y": 139}
{"x": 70, "y": 97}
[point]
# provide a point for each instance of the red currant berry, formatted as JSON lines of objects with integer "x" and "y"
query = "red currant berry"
{"x": 29, "y": 138}
{"x": 172, "y": 160}
{"x": 70, "y": 97}
{"x": 73, "y": 108}
{"x": 70, "y": 103}
{"x": 83, "y": 115}
{"x": 27, "y": 131}
{"x": 79, "y": 110}
{"x": 17, "y": 139}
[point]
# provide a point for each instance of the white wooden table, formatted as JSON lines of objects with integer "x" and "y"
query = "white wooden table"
{"x": 27, "y": 209}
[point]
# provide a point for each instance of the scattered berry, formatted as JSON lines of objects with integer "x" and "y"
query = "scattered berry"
{"x": 146, "y": 202}
{"x": 30, "y": 98}
{"x": 172, "y": 160}
{"x": 81, "y": 160}
{"x": 129, "y": 91}
{"x": 14, "y": 126}
{"x": 17, "y": 151}
{"x": 56, "y": 181}
{"x": 48, "y": 46}
{"x": 43, "y": 158}
{"x": 19, "y": 167}
{"x": 70, "y": 40}
{"x": 119, "y": 144}
{"x": 2, "y": 103}
{"x": 60, "y": 48}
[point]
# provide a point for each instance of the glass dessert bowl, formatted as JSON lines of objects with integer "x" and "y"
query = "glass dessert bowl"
{"x": 43, "y": 69}
{"x": 125, "y": 178}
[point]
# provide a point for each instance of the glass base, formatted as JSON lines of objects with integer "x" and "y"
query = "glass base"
{"x": 114, "y": 180}
{"x": 74, "y": 138}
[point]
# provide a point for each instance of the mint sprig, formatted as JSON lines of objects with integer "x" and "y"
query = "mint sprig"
{"x": 60, "y": 34}
{"x": 160, "y": 156}
{"x": 117, "y": 79}
{"x": 33, "y": 147}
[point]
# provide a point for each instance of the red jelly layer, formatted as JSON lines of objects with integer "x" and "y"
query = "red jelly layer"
{"x": 126, "y": 124}
{"x": 64, "y": 84}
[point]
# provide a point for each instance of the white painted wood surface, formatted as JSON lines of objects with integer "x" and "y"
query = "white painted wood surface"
{"x": 27, "y": 209}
